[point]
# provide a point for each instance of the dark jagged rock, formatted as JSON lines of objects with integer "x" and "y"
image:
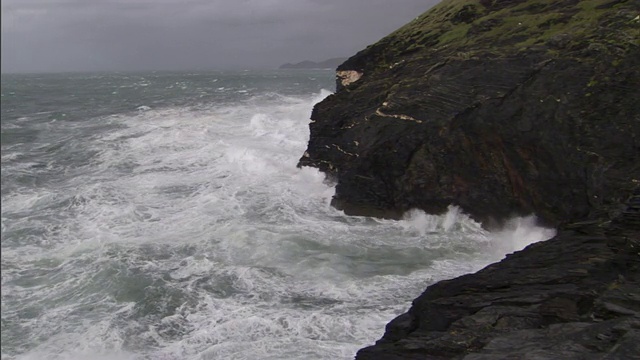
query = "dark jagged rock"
{"x": 503, "y": 107}
{"x": 576, "y": 296}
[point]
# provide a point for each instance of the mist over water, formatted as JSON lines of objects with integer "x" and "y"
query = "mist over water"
{"x": 174, "y": 224}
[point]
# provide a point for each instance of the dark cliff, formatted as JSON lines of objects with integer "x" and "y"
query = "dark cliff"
{"x": 500, "y": 107}
{"x": 503, "y": 107}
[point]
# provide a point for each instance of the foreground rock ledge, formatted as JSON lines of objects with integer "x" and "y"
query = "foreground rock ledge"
{"x": 576, "y": 296}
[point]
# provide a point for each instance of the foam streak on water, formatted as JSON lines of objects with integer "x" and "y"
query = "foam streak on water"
{"x": 182, "y": 233}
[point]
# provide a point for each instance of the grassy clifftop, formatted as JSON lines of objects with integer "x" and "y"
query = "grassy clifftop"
{"x": 466, "y": 29}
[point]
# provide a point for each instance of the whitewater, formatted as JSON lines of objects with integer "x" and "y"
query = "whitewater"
{"x": 162, "y": 216}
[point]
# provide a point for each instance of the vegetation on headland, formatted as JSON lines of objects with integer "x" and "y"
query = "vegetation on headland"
{"x": 481, "y": 28}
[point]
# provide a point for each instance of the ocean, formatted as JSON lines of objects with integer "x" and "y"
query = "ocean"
{"x": 161, "y": 215}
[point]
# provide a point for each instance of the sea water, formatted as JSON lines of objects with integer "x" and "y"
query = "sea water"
{"x": 162, "y": 216}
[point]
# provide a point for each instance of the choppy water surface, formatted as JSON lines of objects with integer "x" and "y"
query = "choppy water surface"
{"x": 162, "y": 216}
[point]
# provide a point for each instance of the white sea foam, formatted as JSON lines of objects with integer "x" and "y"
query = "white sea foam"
{"x": 11, "y": 156}
{"x": 425, "y": 223}
{"x": 191, "y": 234}
{"x": 517, "y": 234}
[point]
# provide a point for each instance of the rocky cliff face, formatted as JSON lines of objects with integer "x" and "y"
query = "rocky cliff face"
{"x": 503, "y": 107}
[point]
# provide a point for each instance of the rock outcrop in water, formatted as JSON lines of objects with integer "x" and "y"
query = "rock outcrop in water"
{"x": 503, "y": 107}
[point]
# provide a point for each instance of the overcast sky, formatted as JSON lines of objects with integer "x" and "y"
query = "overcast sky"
{"x": 89, "y": 35}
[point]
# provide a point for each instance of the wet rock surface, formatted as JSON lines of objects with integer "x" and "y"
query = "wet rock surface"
{"x": 576, "y": 296}
{"x": 503, "y": 107}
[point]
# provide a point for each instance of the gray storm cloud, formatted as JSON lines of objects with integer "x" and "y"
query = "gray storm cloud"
{"x": 80, "y": 35}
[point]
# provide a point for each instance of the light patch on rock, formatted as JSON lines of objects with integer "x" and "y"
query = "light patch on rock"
{"x": 347, "y": 77}
{"x": 397, "y": 116}
{"x": 344, "y": 152}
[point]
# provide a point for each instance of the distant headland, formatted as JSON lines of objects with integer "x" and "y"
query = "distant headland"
{"x": 326, "y": 64}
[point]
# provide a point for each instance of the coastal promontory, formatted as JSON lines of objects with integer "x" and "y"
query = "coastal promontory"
{"x": 503, "y": 107}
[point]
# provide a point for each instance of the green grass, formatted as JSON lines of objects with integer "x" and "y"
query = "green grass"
{"x": 513, "y": 29}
